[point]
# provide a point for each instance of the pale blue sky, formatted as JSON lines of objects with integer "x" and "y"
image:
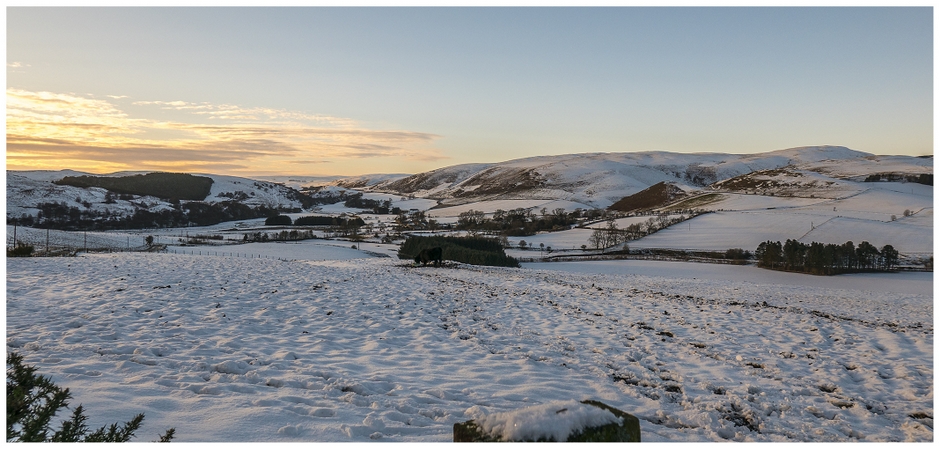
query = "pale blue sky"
{"x": 412, "y": 89}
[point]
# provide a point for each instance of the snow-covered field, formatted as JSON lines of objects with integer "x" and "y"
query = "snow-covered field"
{"x": 722, "y": 230}
{"x": 736, "y": 201}
{"x": 357, "y": 349}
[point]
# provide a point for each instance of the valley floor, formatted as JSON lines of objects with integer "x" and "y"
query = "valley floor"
{"x": 360, "y": 349}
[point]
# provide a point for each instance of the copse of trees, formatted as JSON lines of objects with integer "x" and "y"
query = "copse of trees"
{"x": 317, "y": 220}
{"x": 181, "y": 186}
{"x": 737, "y": 254}
{"x": 278, "y": 220}
{"x": 469, "y": 250}
{"x": 827, "y": 259}
{"x": 377, "y": 207}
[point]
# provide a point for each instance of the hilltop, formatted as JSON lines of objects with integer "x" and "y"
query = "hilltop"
{"x": 598, "y": 180}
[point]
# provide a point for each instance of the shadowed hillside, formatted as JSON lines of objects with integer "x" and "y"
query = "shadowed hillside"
{"x": 655, "y": 196}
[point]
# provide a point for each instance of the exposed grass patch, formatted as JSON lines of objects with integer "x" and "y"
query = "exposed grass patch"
{"x": 698, "y": 201}
{"x": 654, "y": 196}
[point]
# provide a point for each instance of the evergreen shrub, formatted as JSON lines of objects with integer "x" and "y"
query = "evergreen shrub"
{"x": 34, "y": 400}
{"x": 21, "y": 250}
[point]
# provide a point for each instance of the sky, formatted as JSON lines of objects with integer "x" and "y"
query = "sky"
{"x": 351, "y": 91}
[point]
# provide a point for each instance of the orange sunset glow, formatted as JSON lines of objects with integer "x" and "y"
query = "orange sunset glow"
{"x": 48, "y": 130}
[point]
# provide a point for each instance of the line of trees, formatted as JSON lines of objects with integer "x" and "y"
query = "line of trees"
{"x": 608, "y": 236}
{"x": 319, "y": 220}
{"x": 57, "y": 215}
{"x": 923, "y": 178}
{"x": 611, "y": 235}
{"x": 283, "y": 236}
{"x": 523, "y": 222}
{"x": 819, "y": 258}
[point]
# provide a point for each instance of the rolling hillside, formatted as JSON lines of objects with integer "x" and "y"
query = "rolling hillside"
{"x": 28, "y": 190}
{"x": 808, "y": 193}
{"x": 601, "y": 179}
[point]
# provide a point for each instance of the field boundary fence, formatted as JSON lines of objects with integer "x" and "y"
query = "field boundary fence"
{"x": 54, "y": 243}
{"x": 621, "y": 256}
{"x": 214, "y": 253}
{"x": 51, "y": 242}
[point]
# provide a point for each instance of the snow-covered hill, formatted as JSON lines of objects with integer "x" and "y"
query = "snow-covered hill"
{"x": 600, "y": 179}
{"x": 591, "y": 180}
{"x": 26, "y": 190}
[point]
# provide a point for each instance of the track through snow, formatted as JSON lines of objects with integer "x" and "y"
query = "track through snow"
{"x": 227, "y": 349}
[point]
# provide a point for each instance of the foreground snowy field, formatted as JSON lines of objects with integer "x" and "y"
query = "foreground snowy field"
{"x": 236, "y": 349}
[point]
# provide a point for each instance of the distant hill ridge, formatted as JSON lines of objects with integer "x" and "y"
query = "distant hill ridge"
{"x": 601, "y": 179}
{"x": 588, "y": 180}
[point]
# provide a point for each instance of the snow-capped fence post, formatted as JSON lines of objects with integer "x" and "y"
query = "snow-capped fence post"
{"x": 569, "y": 421}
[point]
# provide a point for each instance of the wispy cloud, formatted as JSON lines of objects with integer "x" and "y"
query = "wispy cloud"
{"x": 233, "y": 112}
{"x": 56, "y": 130}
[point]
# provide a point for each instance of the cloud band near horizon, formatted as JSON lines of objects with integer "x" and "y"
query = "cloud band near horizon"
{"x": 52, "y": 131}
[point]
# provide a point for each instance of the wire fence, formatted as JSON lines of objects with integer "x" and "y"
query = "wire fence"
{"x": 595, "y": 257}
{"x": 55, "y": 242}
{"x": 50, "y": 242}
{"x": 207, "y": 252}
